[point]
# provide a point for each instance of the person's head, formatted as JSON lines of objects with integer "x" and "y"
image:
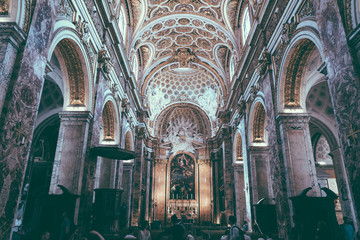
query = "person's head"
{"x": 232, "y": 220}
{"x": 183, "y": 218}
{"x": 45, "y": 235}
{"x": 143, "y": 225}
{"x": 347, "y": 220}
{"x": 64, "y": 215}
{"x": 174, "y": 219}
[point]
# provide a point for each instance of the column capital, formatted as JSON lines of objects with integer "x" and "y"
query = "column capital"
{"x": 76, "y": 116}
{"x": 293, "y": 121}
{"x": 204, "y": 162}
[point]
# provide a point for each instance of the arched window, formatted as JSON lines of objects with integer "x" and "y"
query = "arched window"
{"x": 135, "y": 67}
{"x": 245, "y": 26}
{"x": 231, "y": 68}
{"x": 122, "y": 23}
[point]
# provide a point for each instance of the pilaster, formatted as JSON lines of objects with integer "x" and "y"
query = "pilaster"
{"x": 228, "y": 172}
{"x": 11, "y": 40}
{"x": 240, "y": 201}
{"x": 260, "y": 173}
{"x": 138, "y": 189}
{"x": 298, "y": 153}
{"x": 127, "y": 177}
{"x": 70, "y": 152}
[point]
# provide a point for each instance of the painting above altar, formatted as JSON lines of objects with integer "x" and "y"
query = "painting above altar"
{"x": 182, "y": 177}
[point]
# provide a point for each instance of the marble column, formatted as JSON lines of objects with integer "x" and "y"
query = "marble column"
{"x": 70, "y": 152}
{"x": 215, "y": 159}
{"x": 160, "y": 197}
{"x": 204, "y": 178}
{"x": 260, "y": 173}
{"x": 344, "y": 87}
{"x": 138, "y": 173}
{"x": 228, "y": 172}
{"x": 11, "y": 38}
{"x": 298, "y": 153}
{"x": 19, "y": 111}
{"x": 240, "y": 204}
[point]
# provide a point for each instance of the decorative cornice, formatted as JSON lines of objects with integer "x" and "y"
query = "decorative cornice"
{"x": 12, "y": 33}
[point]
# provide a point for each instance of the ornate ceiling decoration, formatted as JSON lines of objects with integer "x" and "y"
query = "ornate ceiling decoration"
{"x": 183, "y": 125}
{"x": 184, "y": 46}
{"x": 195, "y": 86}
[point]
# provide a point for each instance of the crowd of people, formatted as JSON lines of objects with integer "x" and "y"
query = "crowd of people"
{"x": 178, "y": 231}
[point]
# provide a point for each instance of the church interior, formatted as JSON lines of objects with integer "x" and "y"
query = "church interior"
{"x": 122, "y": 111}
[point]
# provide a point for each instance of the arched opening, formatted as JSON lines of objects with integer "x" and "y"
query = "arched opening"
{"x": 32, "y": 213}
{"x": 129, "y": 142}
{"x": 108, "y": 121}
{"x": 259, "y": 123}
{"x": 259, "y": 155}
{"x": 122, "y": 23}
{"x": 245, "y": 25}
{"x": 326, "y": 151}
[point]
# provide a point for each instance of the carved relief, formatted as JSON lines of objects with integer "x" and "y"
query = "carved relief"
{"x": 288, "y": 30}
{"x": 75, "y": 73}
{"x": 264, "y": 62}
{"x": 184, "y": 56}
{"x": 105, "y": 61}
{"x": 65, "y": 10}
{"x": 294, "y": 73}
{"x": 307, "y": 10}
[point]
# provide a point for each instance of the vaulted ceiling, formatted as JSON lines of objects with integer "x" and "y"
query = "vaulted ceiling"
{"x": 183, "y": 48}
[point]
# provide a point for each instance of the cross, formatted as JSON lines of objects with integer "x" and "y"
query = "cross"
{"x": 353, "y": 133}
{"x": 20, "y": 134}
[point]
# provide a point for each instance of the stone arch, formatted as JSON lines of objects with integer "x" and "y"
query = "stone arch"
{"x": 109, "y": 122}
{"x": 202, "y": 119}
{"x": 294, "y": 73}
{"x": 257, "y": 134}
{"x": 238, "y": 148}
{"x": 291, "y": 94}
{"x": 333, "y": 168}
{"x": 129, "y": 141}
{"x": 76, "y": 70}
